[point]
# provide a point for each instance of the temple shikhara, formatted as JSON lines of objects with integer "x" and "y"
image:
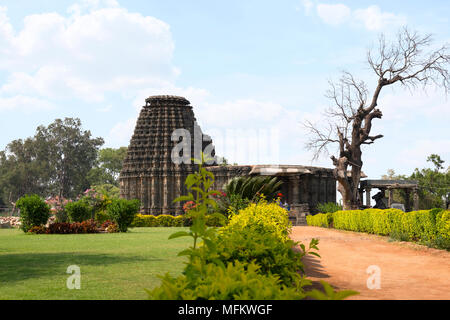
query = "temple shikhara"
{"x": 150, "y": 174}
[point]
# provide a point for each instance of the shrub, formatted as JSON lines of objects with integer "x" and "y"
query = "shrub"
{"x": 443, "y": 224}
{"x": 232, "y": 203}
{"x": 33, "y": 211}
{"x": 164, "y": 220}
{"x": 38, "y": 230}
{"x": 89, "y": 226}
{"x": 431, "y": 227}
{"x": 144, "y": 220}
{"x": 216, "y": 220}
{"x": 328, "y": 207}
{"x": 178, "y": 221}
{"x": 251, "y": 187}
{"x": 101, "y": 216}
{"x": 238, "y": 281}
{"x": 122, "y": 212}
{"x": 78, "y": 211}
{"x": 264, "y": 249}
{"x": 269, "y": 217}
{"x": 112, "y": 228}
{"x": 64, "y": 228}
{"x": 318, "y": 220}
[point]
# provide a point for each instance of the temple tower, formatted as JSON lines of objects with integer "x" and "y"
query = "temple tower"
{"x": 149, "y": 172}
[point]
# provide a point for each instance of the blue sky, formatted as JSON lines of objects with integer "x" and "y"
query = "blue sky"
{"x": 248, "y": 67}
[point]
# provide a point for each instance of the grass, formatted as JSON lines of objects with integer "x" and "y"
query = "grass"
{"x": 113, "y": 266}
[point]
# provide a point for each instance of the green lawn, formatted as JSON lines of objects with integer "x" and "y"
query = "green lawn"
{"x": 113, "y": 266}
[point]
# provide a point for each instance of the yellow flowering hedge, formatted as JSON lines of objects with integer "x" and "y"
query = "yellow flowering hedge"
{"x": 264, "y": 217}
{"x": 318, "y": 220}
{"x": 163, "y": 220}
{"x": 422, "y": 225}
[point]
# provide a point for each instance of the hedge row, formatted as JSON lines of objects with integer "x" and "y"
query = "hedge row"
{"x": 423, "y": 225}
{"x": 166, "y": 220}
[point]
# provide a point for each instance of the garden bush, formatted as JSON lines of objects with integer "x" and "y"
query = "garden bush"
{"x": 101, "y": 216}
{"x": 236, "y": 281}
{"x": 164, "y": 220}
{"x": 264, "y": 216}
{"x": 264, "y": 249}
{"x": 216, "y": 220}
{"x": 33, "y": 211}
{"x": 318, "y": 220}
{"x": 38, "y": 230}
{"x": 328, "y": 207}
{"x": 431, "y": 227}
{"x": 123, "y": 212}
{"x": 78, "y": 211}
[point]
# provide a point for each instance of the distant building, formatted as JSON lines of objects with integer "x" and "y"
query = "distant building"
{"x": 150, "y": 174}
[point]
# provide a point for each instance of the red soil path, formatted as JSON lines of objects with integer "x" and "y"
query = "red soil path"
{"x": 408, "y": 271}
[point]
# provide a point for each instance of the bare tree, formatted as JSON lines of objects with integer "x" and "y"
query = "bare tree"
{"x": 349, "y": 121}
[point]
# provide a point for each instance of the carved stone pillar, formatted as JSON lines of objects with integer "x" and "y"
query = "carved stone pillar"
{"x": 391, "y": 197}
{"x": 295, "y": 189}
{"x": 407, "y": 200}
{"x": 368, "y": 197}
{"x": 416, "y": 200}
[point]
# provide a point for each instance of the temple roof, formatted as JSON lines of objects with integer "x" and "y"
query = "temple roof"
{"x": 389, "y": 184}
{"x": 179, "y": 99}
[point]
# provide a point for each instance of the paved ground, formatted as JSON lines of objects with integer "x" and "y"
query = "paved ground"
{"x": 408, "y": 271}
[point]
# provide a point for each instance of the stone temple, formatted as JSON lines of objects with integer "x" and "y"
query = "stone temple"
{"x": 150, "y": 174}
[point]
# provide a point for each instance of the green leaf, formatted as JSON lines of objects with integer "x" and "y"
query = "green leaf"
{"x": 179, "y": 234}
{"x": 344, "y": 294}
{"x": 189, "y": 197}
{"x": 314, "y": 254}
{"x": 185, "y": 252}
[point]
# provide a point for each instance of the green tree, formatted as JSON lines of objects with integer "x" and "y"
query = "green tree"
{"x": 55, "y": 161}
{"x": 108, "y": 166}
{"x": 434, "y": 184}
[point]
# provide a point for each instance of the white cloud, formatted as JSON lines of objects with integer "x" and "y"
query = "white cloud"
{"x": 403, "y": 105}
{"x": 121, "y": 133}
{"x": 99, "y": 49}
{"x": 308, "y": 5}
{"x": 28, "y": 104}
{"x": 372, "y": 17}
{"x": 415, "y": 154}
{"x": 333, "y": 14}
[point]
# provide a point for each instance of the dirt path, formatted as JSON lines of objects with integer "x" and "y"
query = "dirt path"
{"x": 408, "y": 271}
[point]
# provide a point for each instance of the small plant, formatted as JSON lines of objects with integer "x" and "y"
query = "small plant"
{"x": 328, "y": 207}
{"x": 38, "y": 230}
{"x": 33, "y": 211}
{"x": 78, "y": 211}
{"x": 123, "y": 212}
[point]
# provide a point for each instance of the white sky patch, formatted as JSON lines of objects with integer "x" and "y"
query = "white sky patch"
{"x": 372, "y": 17}
{"x": 121, "y": 133}
{"x": 415, "y": 154}
{"x": 334, "y": 14}
{"x": 404, "y": 105}
{"x": 83, "y": 56}
{"x": 307, "y": 5}
{"x": 24, "y": 103}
